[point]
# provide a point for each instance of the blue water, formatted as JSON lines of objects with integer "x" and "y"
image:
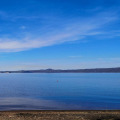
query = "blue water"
{"x": 61, "y": 91}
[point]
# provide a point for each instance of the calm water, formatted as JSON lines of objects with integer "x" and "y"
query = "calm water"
{"x": 59, "y": 91}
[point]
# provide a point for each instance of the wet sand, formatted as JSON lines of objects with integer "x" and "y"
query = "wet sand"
{"x": 60, "y": 115}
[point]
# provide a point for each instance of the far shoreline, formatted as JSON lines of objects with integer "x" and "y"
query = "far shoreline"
{"x": 92, "y": 70}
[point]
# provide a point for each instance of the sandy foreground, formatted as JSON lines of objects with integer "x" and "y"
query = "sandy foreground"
{"x": 60, "y": 115}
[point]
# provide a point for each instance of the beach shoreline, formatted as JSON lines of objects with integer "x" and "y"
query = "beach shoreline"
{"x": 60, "y": 115}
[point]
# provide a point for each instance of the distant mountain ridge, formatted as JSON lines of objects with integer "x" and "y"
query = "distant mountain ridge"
{"x": 94, "y": 70}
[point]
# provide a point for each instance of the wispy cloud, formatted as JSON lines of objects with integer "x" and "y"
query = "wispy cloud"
{"x": 23, "y": 27}
{"x": 75, "y": 29}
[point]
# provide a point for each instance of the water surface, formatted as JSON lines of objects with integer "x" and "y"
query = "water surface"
{"x": 60, "y": 91}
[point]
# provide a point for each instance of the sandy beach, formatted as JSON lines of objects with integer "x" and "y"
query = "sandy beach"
{"x": 60, "y": 115}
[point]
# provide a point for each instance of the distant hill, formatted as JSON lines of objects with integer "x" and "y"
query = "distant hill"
{"x": 95, "y": 70}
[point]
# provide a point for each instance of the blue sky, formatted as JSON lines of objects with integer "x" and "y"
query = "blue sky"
{"x": 59, "y": 34}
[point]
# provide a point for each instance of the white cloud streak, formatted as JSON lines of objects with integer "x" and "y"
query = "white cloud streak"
{"x": 76, "y": 30}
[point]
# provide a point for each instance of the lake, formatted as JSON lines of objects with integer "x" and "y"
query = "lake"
{"x": 60, "y": 91}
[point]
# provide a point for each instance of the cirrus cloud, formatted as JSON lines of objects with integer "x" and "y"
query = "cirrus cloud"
{"x": 76, "y": 29}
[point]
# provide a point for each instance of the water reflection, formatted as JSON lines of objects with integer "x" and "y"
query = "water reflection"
{"x": 59, "y": 91}
{"x": 17, "y": 103}
{"x": 27, "y": 104}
